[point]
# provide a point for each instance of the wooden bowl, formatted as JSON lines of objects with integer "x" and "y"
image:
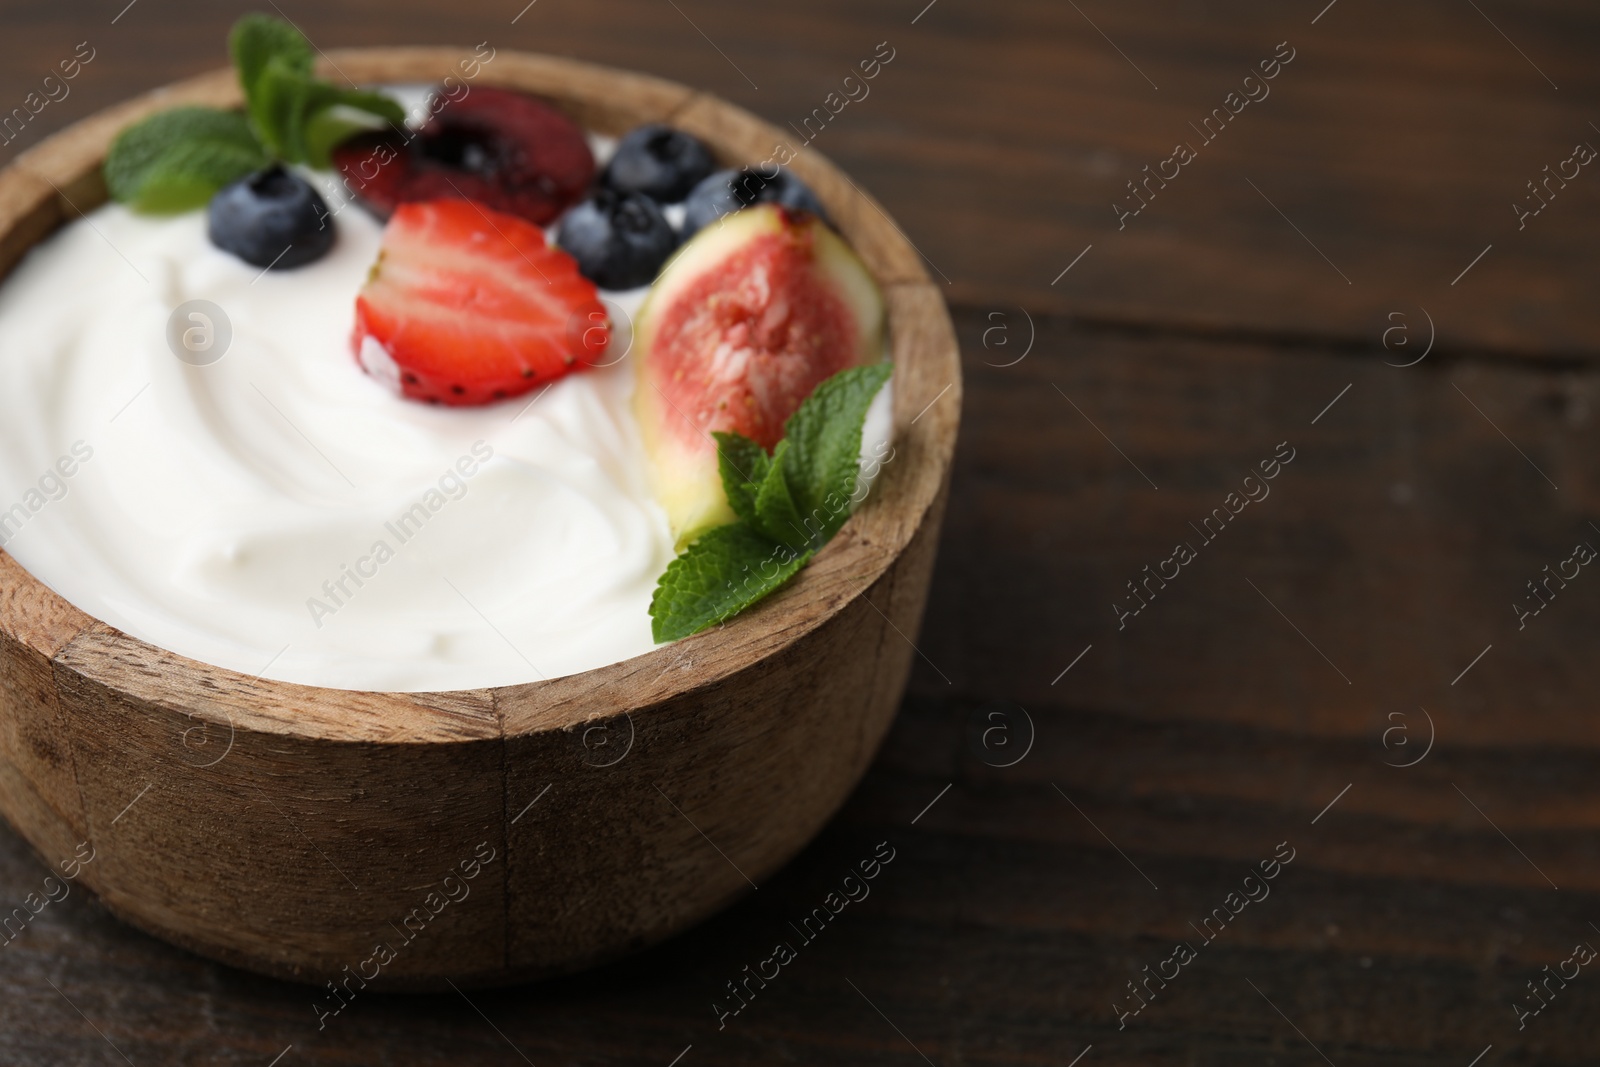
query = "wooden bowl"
{"x": 488, "y": 835}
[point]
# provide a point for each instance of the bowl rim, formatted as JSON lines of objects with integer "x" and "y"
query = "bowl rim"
{"x": 59, "y": 180}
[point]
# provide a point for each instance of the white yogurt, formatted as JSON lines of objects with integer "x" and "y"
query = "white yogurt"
{"x": 283, "y": 513}
{"x": 280, "y": 512}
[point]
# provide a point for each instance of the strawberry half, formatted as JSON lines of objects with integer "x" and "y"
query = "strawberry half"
{"x": 466, "y": 305}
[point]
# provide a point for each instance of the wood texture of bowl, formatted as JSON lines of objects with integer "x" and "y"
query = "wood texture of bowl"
{"x": 489, "y": 835}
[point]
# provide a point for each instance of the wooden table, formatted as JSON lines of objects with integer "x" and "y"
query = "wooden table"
{"x": 1337, "y": 673}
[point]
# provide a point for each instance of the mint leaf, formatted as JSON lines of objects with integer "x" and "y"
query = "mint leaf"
{"x": 324, "y": 127}
{"x": 256, "y": 40}
{"x": 824, "y": 435}
{"x": 175, "y": 160}
{"x": 385, "y": 108}
{"x": 306, "y": 98}
{"x": 294, "y": 113}
{"x": 305, "y": 118}
{"x": 743, "y": 465}
{"x": 277, "y": 104}
{"x": 788, "y": 504}
{"x": 776, "y": 515}
{"x": 724, "y": 572}
{"x": 188, "y": 175}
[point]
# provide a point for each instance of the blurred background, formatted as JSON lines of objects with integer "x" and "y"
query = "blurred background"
{"x": 1179, "y": 239}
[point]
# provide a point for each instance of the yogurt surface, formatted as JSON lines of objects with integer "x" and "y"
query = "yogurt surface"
{"x": 281, "y": 513}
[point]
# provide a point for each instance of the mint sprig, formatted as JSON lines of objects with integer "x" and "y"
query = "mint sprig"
{"x": 743, "y": 465}
{"x": 726, "y": 570}
{"x": 258, "y": 40}
{"x": 789, "y": 505}
{"x": 177, "y": 160}
{"x": 286, "y": 102}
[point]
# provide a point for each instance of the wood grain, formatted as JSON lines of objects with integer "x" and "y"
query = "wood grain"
{"x": 1196, "y": 741}
{"x": 1210, "y": 731}
{"x": 1001, "y": 134}
{"x": 290, "y": 829}
{"x": 38, "y": 778}
{"x": 790, "y": 716}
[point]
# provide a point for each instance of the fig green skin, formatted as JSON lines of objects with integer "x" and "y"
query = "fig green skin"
{"x": 684, "y": 471}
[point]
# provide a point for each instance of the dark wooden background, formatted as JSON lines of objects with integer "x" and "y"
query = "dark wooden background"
{"x": 1254, "y": 691}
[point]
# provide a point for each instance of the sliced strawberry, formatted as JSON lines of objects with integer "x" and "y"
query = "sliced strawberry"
{"x": 466, "y": 305}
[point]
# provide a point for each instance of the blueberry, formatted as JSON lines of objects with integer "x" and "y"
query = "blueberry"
{"x": 620, "y": 240}
{"x": 660, "y": 162}
{"x": 728, "y": 191}
{"x": 273, "y": 218}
